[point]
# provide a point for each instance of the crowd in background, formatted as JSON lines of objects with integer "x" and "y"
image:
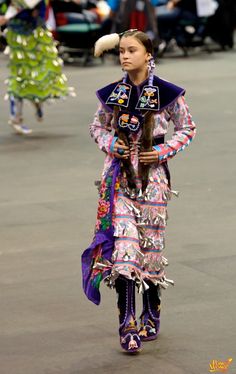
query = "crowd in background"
{"x": 183, "y": 23}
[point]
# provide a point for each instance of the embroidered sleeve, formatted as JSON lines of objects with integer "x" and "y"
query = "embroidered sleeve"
{"x": 184, "y": 130}
{"x": 101, "y": 129}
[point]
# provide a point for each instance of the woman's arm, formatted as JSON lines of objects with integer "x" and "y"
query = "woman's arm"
{"x": 101, "y": 129}
{"x": 11, "y": 12}
{"x": 184, "y": 130}
{"x": 101, "y": 132}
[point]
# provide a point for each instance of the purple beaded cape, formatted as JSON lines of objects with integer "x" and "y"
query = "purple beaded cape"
{"x": 168, "y": 93}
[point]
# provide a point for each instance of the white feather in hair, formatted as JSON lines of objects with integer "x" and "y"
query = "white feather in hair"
{"x": 106, "y": 43}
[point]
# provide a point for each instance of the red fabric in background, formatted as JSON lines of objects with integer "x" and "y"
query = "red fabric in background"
{"x": 138, "y": 20}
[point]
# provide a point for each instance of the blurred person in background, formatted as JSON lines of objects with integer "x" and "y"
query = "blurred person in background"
{"x": 222, "y": 24}
{"x": 210, "y": 18}
{"x": 135, "y": 14}
{"x": 171, "y": 11}
{"x": 35, "y": 69}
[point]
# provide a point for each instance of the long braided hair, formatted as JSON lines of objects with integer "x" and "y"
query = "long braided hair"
{"x": 148, "y": 125}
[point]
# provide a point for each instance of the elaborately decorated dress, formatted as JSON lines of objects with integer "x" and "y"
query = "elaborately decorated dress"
{"x": 35, "y": 68}
{"x": 132, "y": 210}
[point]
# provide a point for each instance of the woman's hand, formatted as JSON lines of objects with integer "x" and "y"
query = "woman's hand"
{"x": 149, "y": 157}
{"x": 121, "y": 150}
{"x": 172, "y": 4}
{"x": 3, "y": 20}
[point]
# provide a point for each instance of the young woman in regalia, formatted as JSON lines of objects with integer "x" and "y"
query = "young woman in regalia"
{"x": 35, "y": 69}
{"x": 130, "y": 125}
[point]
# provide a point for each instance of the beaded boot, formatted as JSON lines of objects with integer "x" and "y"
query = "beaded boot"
{"x": 150, "y": 317}
{"x": 129, "y": 337}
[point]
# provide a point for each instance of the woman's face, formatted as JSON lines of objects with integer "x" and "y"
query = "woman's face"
{"x": 133, "y": 55}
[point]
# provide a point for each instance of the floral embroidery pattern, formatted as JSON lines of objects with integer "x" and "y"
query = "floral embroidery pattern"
{"x": 103, "y": 208}
{"x": 104, "y": 214}
{"x": 96, "y": 276}
{"x": 104, "y": 222}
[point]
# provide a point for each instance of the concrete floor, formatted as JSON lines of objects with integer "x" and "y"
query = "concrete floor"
{"x": 48, "y": 208}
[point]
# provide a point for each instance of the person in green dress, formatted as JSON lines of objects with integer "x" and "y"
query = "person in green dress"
{"x": 35, "y": 68}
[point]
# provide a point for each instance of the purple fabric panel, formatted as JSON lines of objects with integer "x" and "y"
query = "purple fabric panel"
{"x": 106, "y": 240}
{"x": 169, "y": 93}
{"x": 116, "y": 165}
{"x": 107, "y": 107}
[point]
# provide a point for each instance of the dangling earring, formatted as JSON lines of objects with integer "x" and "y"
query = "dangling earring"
{"x": 154, "y": 90}
{"x": 151, "y": 67}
